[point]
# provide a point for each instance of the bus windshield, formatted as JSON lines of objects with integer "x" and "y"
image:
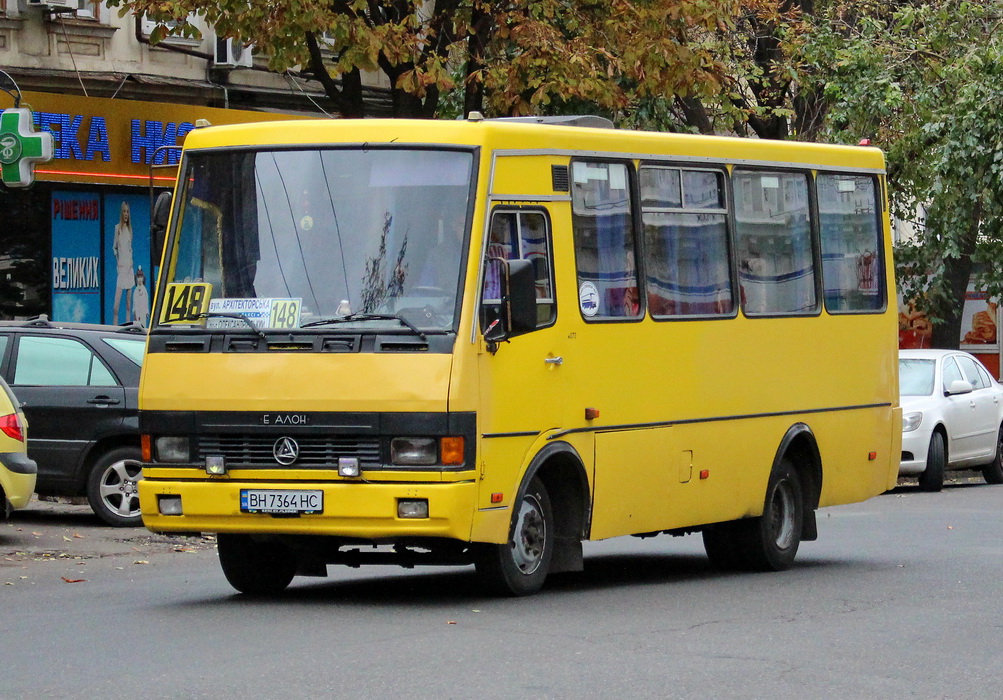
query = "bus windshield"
{"x": 361, "y": 237}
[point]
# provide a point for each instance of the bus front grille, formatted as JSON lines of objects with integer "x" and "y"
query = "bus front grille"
{"x": 320, "y": 452}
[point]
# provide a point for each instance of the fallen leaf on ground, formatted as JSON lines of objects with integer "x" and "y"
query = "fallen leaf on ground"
{"x": 79, "y": 536}
{"x": 67, "y": 538}
{"x": 140, "y": 561}
{"x": 74, "y": 580}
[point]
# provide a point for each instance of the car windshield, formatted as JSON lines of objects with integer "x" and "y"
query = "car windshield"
{"x": 916, "y": 377}
{"x": 337, "y": 239}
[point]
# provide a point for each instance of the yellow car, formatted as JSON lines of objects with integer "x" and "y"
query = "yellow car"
{"x": 17, "y": 472}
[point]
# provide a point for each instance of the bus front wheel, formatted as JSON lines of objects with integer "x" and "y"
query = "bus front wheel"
{"x": 255, "y": 567}
{"x": 520, "y": 567}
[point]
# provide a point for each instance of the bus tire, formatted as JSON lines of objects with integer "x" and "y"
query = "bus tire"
{"x": 520, "y": 567}
{"x": 255, "y": 567}
{"x": 111, "y": 487}
{"x": 770, "y": 542}
{"x": 932, "y": 478}
{"x": 993, "y": 472}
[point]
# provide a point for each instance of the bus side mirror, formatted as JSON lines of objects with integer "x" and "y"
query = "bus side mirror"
{"x": 158, "y": 223}
{"x": 518, "y": 303}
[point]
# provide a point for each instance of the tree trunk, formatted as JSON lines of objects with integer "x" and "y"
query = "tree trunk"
{"x": 957, "y": 273}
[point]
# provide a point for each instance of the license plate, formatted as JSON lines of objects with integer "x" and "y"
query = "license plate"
{"x": 281, "y": 501}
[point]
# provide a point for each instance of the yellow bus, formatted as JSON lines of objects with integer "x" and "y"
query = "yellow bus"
{"x": 487, "y": 341}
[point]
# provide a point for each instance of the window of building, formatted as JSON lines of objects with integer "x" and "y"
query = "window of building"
{"x": 851, "y": 243}
{"x": 604, "y": 241}
{"x": 774, "y": 244}
{"x": 686, "y": 260}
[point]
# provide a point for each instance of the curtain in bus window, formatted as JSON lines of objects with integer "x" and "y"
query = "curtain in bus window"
{"x": 851, "y": 243}
{"x": 773, "y": 226}
{"x": 686, "y": 242}
{"x": 604, "y": 242}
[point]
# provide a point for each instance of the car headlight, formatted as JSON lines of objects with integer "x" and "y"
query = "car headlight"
{"x": 911, "y": 421}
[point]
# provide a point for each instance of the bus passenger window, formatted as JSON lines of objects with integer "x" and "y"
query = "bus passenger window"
{"x": 851, "y": 243}
{"x": 604, "y": 241}
{"x": 518, "y": 235}
{"x": 686, "y": 242}
{"x": 776, "y": 270}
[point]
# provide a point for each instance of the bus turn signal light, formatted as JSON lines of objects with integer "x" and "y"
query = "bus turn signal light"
{"x": 451, "y": 450}
{"x": 872, "y": 456}
{"x": 591, "y": 413}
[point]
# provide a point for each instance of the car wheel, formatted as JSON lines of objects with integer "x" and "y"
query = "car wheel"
{"x": 770, "y": 542}
{"x": 932, "y": 478}
{"x": 520, "y": 567}
{"x": 993, "y": 472}
{"x": 255, "y": 567}
{"x": 112, "y": 487}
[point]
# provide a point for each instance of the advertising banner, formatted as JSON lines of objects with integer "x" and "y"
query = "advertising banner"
{"x": 76, "y": 256}
{"x": 127, "y": 278}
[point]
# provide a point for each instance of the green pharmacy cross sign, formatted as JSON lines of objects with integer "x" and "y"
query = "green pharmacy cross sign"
{"x": 21, "y": 147}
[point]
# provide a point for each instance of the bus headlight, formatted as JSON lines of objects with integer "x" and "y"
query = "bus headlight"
{"x": 172, "y": 449}
{"x": 414, "y": 451}
{"x": 911, "y": 421}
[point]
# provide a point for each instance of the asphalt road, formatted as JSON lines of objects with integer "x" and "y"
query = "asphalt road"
{"x": 899, "y": 598}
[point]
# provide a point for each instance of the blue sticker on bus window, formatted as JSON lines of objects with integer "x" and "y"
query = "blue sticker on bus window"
{"x": 588, "y": 298}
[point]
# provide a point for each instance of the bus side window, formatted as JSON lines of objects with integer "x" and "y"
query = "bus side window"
{"x": 684, "y": 219}
{"x": 518, "y": 235}
{"x": 776, "y": 268}
{"x": 851, "y": 243}
{"x": 604, "y": 240}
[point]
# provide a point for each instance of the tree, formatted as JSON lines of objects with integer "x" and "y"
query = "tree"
{"x": 515, "y": 57}
{"x": 911, "y": 77}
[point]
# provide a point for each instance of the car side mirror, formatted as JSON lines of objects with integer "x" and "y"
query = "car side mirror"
{"x": 518, "y": 302}
{"x": 958, "y": 386}
{"x": 158, "y": 224}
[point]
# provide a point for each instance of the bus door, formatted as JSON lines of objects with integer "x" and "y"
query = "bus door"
{"x": 520, "y": 383}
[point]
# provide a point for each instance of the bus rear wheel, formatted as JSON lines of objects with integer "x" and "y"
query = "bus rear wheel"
{"x": 520, "y": 567}
{"x": 255, "y": 567}
{"x": 770, "y": 542}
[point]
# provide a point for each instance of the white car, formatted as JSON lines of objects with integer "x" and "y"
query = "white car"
{"x": 952, "y": 411}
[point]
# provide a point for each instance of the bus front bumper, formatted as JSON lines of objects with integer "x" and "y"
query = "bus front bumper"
{"x": 350, "y": 509}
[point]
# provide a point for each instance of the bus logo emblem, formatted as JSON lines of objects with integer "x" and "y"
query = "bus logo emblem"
{"x": 286, "y": 451}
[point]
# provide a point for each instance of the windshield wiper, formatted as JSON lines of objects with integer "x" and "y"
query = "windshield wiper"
{"x": 240, "y": 317}
{"x": 367, "y": 317}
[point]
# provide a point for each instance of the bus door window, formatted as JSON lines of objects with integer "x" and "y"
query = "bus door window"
{"x": 518, "y": 235}
{"x": 686, "y": 242}
{"x": 851, "y": 243}
{"x": 776, "y": 268}
{"x": 604, "y": 241}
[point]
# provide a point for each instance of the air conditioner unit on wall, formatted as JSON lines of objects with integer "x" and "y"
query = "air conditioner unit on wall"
{"x": 56, "y": 5}
{"x": 231, "y": 53}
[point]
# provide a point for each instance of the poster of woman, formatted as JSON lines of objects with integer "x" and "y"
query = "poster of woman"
{"x": 127, "y": 251}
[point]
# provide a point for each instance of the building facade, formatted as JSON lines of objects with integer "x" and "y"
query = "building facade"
{"x": 76, "y": 244}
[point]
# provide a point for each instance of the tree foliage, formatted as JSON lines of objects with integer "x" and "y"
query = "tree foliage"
{"x": 913, "y": 77}
{"x": 514, "y": 57}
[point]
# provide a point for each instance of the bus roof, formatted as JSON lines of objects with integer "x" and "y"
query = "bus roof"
{"x": 513, "y": 136}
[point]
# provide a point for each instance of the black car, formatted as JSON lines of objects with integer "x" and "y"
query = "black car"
{"x": 78, "y": 385}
